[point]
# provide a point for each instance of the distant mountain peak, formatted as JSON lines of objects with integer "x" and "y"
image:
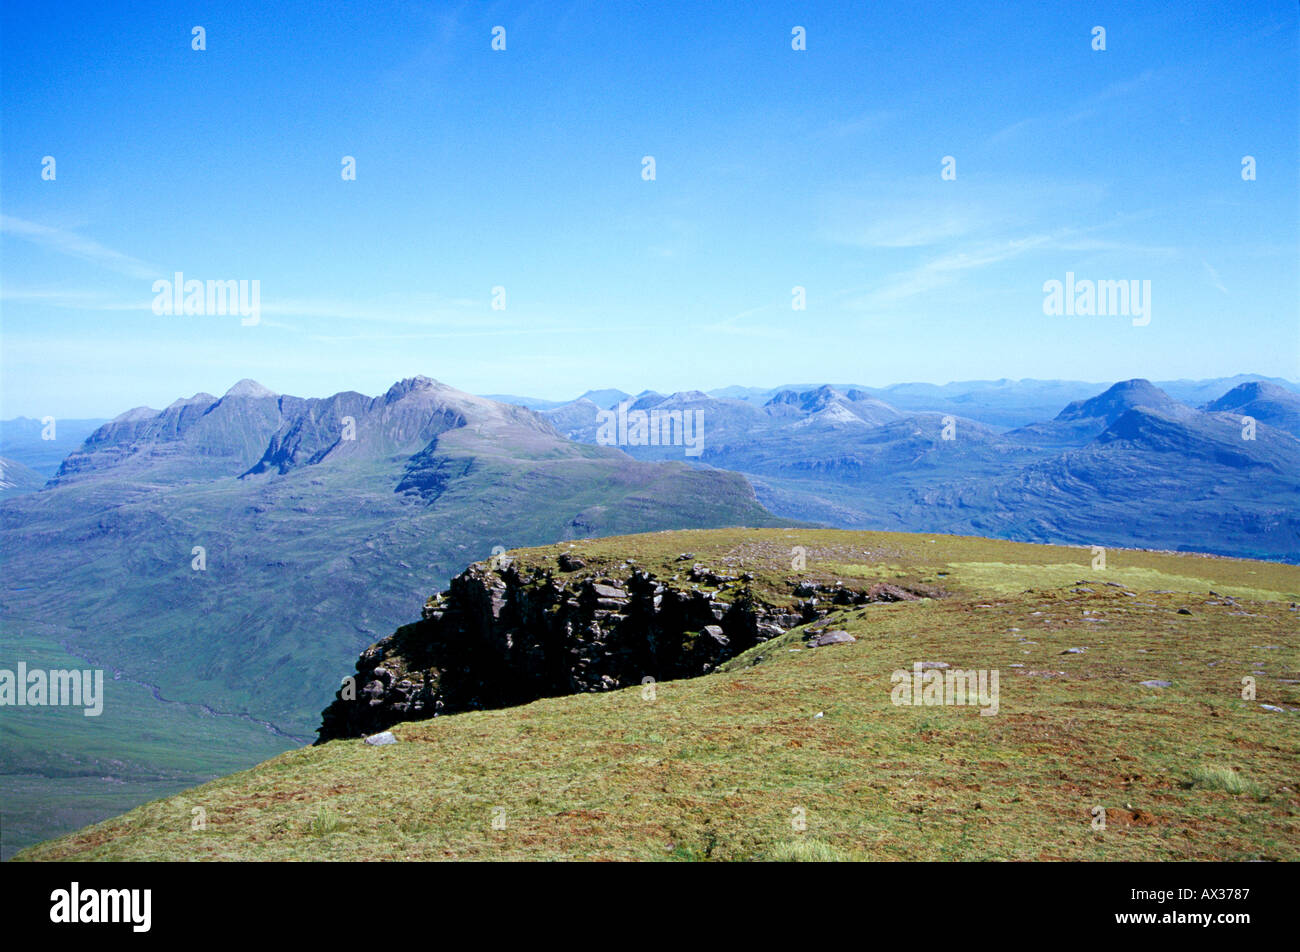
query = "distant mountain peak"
{"x": 1122, "y": 397}
{"x": 783, "y": 398}
{"x": 682, "y": 396}
{"x": 1134, "y": 385}
{"x": 1264, "y": 401}
{"x": 1252, "y": 390}
{"x": 135, "y": 413}
{"x": 249, "y": 388}
{"x": 645, "y": 400}
{"x": 417, "y": 384}
{"x": 204, "y": 399}
{"x": 606, "y": 398}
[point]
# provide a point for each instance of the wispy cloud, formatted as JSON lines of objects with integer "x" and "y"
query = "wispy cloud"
{"x": 1007, "y": 132}
{"x": 929, "y": 235}
{"x": 1086, "y": 108}
{"x": 921, "y": 213}
{"x": 1214, "y": 277}
{"x": 468, "y": 333}
{"x": 743, "y": 325}
{"x": 417, "y": 310}
{"x": 866, "y": 122}
{"x": 71, "y": 298}
{"x": 914, "y": 231}
{"x": 76, "y": 246}
{"x": 944, "y": 269}
{"x": 327, "y": 320}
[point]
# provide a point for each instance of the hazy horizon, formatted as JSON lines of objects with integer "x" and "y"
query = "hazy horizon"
{"x": 162, "y": 403}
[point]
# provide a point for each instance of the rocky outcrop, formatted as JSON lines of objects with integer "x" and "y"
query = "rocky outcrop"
{"x": 509, "y": 635}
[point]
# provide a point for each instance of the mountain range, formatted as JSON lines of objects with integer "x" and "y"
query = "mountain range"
{"x": 224, "y": 558}
{"x": 1130, "y": 466}
{"x": 998, "y": 403}
{"x": 333, "y": 504}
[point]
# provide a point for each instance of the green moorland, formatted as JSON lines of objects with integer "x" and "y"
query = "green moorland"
{"x": 60, "y": 769}
{"x": 302, "y": 572}
{"x": 730, "y": 765}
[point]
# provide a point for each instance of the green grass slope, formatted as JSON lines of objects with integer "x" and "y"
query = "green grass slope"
{"x": 60, "y": 770}
{"x": 738, "y": 765}
{"x": 302, "y": 571}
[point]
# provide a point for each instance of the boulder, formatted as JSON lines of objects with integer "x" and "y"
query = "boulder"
{"x": 570, "y": 563}
{"x": 884, "y": 592}
{"x": 836, "y": 636}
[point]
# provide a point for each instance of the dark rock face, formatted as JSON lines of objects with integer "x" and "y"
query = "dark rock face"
{"x": 498, "y": 638}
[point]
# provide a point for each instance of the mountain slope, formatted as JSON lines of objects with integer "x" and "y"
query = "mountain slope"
{"x": 241, "y": 577}
{"x": 1265, "y": 402}
{"x": 431, "y": 473}
{"x": 192, "y": 440}
{"x": 824, "y": 454}
{"x": 1084, "y": 420}
{"x": 717, "y": 767}
{"x": 15, "y": 478}
{"x": 1190, "y": 483}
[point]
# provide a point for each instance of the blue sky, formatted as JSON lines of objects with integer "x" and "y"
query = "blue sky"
{"x": 522, "y": 169}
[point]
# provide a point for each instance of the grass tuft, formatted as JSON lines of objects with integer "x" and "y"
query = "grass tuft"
{"x": 808, "y": 850}
{"x": 324, "y": 822}
{"x": 1219, "y": 777}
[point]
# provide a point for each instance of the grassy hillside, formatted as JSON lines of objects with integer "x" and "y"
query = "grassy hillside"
{"x": 723, "y": 766}
{"x": 302, "y": 569}
{"x": 60, "y": 770}
{"x": 15, "y": 478}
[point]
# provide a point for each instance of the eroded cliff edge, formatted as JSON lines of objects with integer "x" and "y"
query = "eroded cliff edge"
{"x": 513, "y": 631}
